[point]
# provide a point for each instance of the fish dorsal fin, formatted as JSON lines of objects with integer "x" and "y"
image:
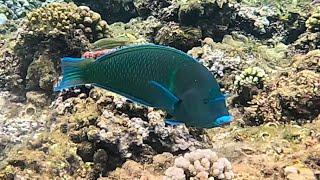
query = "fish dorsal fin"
{"x": 135, "y": 47}
{"x": 164, "y": 98}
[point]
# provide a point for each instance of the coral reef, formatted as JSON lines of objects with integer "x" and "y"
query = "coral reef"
{"x": 211, "y": 56}
{"x": 133, "y": 170}
{"x": 144, "y": 30}
{"x": 310, "y": 61}
{"x": 124, "y": 130}
{"x": 292, "y": 97}
{"x": 19, "y": 122}
{"x": 223, "y": 59}
{"x": 61, "y": 18}
{"x": 200, "y": 164}
{"x": 264, "y": 152}
{"x": 252, "y": 48}
{"x": 41, "y": 74}
{"x": 309, "y": 39}
{"x": 111, "y": 10}
{"x": 180, "y": 37}
{"x": 49, "y": 33}
{"x": 48, "y": 155}
{"x": 213, "y": 17}
{"x": 237, "y": 52}
{"x": 248, "y": 84}
{"x": 298, "y": 171}
{"x": 161, "y": 9}
{"x": 13, "y": 9}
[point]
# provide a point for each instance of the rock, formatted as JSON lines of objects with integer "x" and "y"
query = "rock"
{"x": 163, "y": 160}
{"x": 290, "y": 170}
{"x": 3, "y": 18}
{"x": 36, "y": 98}
{"x": 100, "y": 156}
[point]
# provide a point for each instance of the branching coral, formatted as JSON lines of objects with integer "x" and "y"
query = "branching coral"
{"x": 251, "y": 76}
{"x": 248, "y": 82}
{"x": 200, "y": 164}
{"x": 213, "y": 57}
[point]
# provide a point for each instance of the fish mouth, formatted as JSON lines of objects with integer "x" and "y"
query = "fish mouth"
{"x": 223, "y": 120}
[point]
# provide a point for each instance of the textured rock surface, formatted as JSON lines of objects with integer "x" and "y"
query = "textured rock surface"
{"x": 251, "y": 47}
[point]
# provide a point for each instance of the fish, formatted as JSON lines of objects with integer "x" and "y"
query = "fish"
{"x": 109, "y": 43}
{"x": 157, "y": 76}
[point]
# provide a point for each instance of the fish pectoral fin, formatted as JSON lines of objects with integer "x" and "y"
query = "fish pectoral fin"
{"x": 165, "y": 98}
{"x": 173, "y": 122}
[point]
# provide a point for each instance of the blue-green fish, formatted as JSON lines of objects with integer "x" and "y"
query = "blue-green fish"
{"x": 156, "y": 76}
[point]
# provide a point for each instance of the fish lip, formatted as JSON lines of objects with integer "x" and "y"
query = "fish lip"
{"x": 223, "y": 120}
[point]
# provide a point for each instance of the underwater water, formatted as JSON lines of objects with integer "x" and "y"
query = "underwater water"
{"x": 146, "y": 89}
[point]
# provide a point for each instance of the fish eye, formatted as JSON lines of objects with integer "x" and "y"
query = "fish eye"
{"x": 205, "y": 101}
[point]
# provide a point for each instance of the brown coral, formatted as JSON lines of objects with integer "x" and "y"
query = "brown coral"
{"x": 310, "y": 61}
{"x": 180, "y": 37}
{"x": 294, "y": 97}
{"x": 62, "y": 18}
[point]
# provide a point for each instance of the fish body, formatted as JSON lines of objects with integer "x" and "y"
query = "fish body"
{"x": 156, "y": 76}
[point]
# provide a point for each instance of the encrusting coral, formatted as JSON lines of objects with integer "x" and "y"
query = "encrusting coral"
{"x": 293, "y": 97}
{"x": 143, "y": 29}
{"x": 180, "y": 37}
{"x": 309, "y": 61}
{"x": 310, "y": 38}
{"x": 111, "y": 10}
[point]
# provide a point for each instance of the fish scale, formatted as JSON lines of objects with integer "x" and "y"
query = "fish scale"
{"x": 131, "y": 72}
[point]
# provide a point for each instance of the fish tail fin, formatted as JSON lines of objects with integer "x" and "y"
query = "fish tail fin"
{"x": 73, "y": 73}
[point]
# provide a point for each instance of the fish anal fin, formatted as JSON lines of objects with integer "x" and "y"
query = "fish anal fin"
{"x": 173, "y": 122}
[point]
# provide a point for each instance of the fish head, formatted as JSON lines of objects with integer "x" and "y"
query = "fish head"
{"x": 219, "y": 111}
{"x": 197, "y": 111}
